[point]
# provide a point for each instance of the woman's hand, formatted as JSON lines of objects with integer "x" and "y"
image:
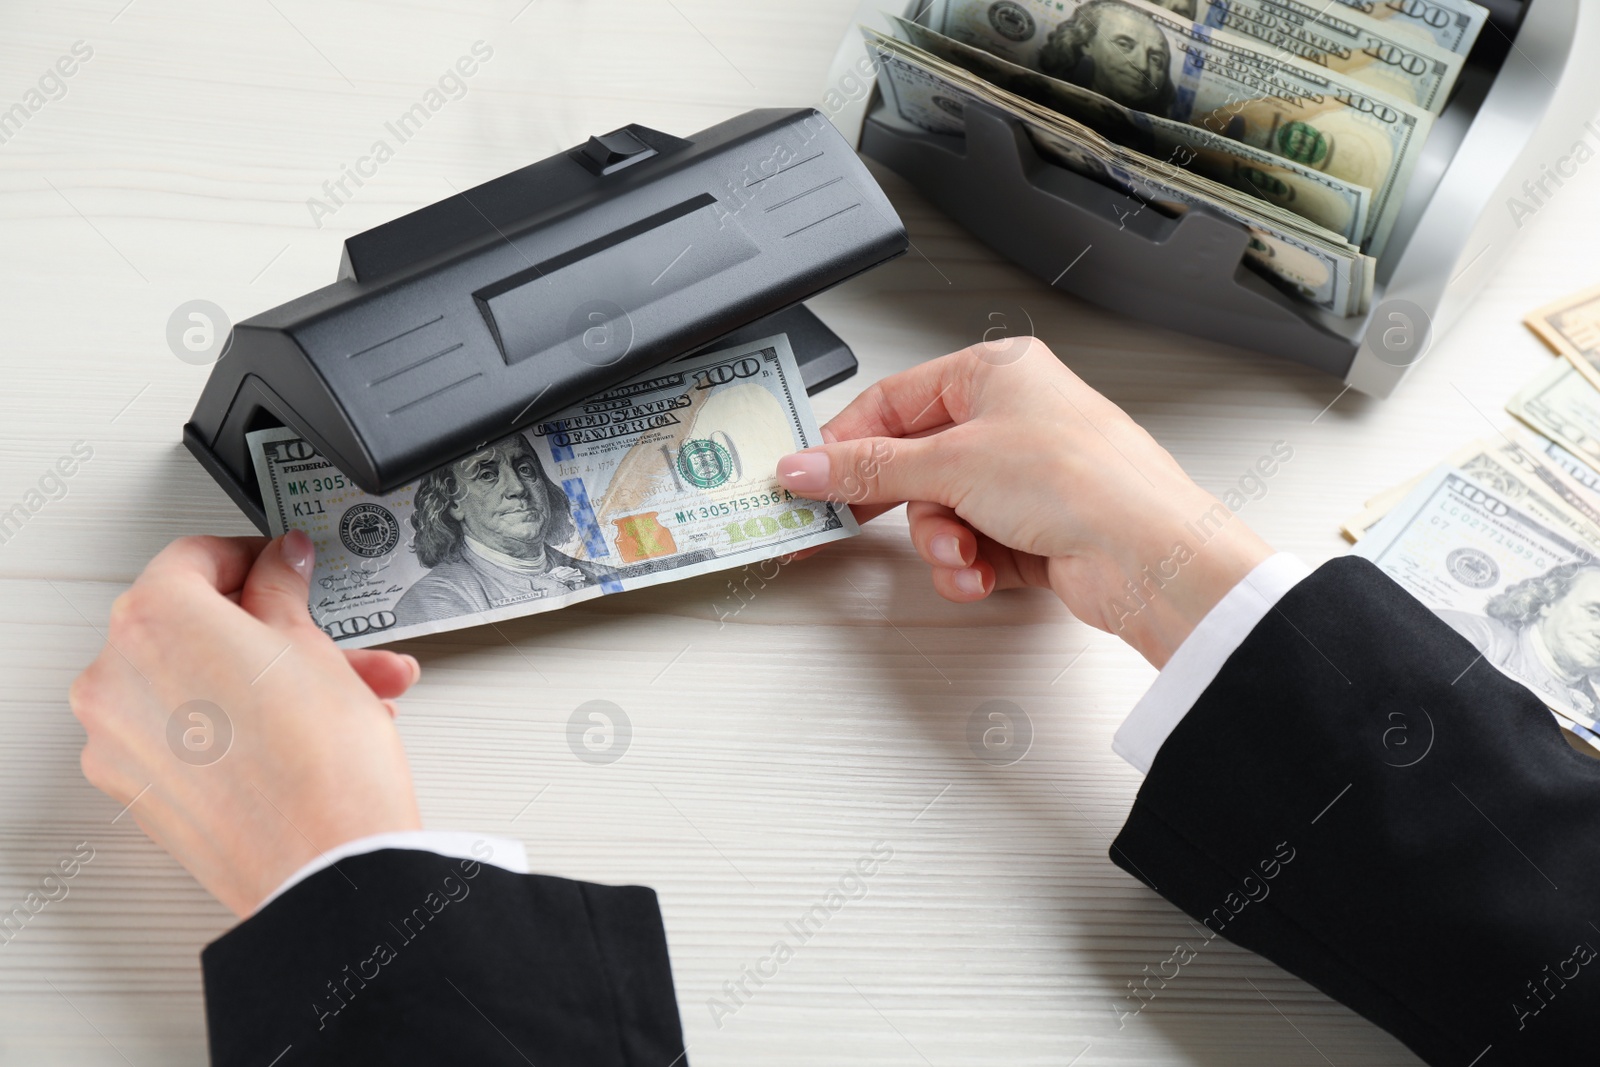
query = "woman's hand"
{"x": 294, "y": 750}
{"x": 1017, "y": 473}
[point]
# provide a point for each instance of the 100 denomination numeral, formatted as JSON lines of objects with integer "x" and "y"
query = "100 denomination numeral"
{"x": 357, "y": 625}
{"x": 766, "y": 526}
{"x": 723, "y": 373}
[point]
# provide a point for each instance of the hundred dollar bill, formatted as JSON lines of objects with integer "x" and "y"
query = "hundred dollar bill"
{"x": 1576, "y": 470}
{"x": 1321, "y": 198}
{"x": 1526, "y": 596}
{"x": 1513, "y": 464}
{"x": 1360, "y": 47}
{"x": 1515, "y": 472}
{"x": 1325, "y": 271}
{"x": 1571, "y": 326}
{"x": 1566, "y": 478}
{"x": 1529, "y": 469}
{"x": 669, "y": 476}
{"x": 1148, "y": 58}
{"x": 1561, "y": 404}
{"x": 1452, "y": 24}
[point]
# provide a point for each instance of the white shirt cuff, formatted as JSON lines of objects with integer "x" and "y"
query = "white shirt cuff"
{"x": 456, "y": 844}
{"x": 1196, "y": 663}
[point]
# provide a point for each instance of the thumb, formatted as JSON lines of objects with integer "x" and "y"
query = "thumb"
{"x": 278, "y": 588}
{"x": 871, "y": 470}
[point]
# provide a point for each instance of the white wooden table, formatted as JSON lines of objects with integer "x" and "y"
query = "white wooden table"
{"x": 768, "y": 753}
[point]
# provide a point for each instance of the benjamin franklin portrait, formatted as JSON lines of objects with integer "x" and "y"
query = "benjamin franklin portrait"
{"x": 1544, "y": 631}
{"x": 487, "y": 527}
{"x": 1115, "y": 50}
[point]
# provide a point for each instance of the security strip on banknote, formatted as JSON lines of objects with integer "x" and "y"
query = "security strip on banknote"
{"x": 666, "y": 477}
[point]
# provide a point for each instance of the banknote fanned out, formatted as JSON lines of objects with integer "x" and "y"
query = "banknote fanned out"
{"x": 1571, "y": 327}
{"x": 1503, "y": 539}
{"x": 1313, "y": 263}
{"x": 1522, "y": 593}
{"x": 1362, "y": 48}
{"x": 1561, "y": 404}
{"x": 1149, "y": 58}
{"x": 666, "y": 477}
{"x": 1532, "y": 472}
{"x": 1451, "y": 24}
{"x": 1294, "y": 187}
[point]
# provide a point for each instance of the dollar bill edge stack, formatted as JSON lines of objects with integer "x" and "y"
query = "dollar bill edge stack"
{"x": 1506, "y": 126}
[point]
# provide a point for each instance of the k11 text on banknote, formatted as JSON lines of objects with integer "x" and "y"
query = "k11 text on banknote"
{"x": 668, "y": 476}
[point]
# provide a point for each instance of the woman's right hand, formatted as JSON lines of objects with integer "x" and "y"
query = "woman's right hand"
{"x": 1017, "y": 473}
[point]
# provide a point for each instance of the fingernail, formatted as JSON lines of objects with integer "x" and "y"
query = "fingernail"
{"x": 970, "y": 581}
{"x": 416, "y": 667}
{"x": 946, "y": 549}
{"x": 805, "y": 473}
{"x": 299, "y": 553}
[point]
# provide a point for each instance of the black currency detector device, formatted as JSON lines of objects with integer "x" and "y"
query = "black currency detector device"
{"x": 473, "y": 317}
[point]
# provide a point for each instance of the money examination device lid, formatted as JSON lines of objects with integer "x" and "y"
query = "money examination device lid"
{"x": 480, "y": 314}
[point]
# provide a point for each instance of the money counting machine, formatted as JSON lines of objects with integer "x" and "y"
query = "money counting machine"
{"x": 473, "y": 317}
{"x": 1499, "y": 152}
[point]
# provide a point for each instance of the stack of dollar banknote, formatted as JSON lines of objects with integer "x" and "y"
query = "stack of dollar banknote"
{"x": 1303, "y": 120}
{"x": 665, "y": 477}
{"x": 1502, "y": 539}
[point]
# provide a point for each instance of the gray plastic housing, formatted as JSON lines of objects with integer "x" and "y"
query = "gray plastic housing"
{"x": 485, "y": 312}
{"x": 1186, "y": 274}
{"x": 1522, "y": 102}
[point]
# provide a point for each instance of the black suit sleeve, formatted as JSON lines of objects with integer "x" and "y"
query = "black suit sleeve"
{"x": 403, "y": 957}
{"x": 1361, "y": 799}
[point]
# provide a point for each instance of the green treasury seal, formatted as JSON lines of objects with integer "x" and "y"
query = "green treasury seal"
{"x": 704, "y": 464}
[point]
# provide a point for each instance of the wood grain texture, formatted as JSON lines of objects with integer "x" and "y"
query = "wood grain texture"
{"x": 770, "y": 749}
